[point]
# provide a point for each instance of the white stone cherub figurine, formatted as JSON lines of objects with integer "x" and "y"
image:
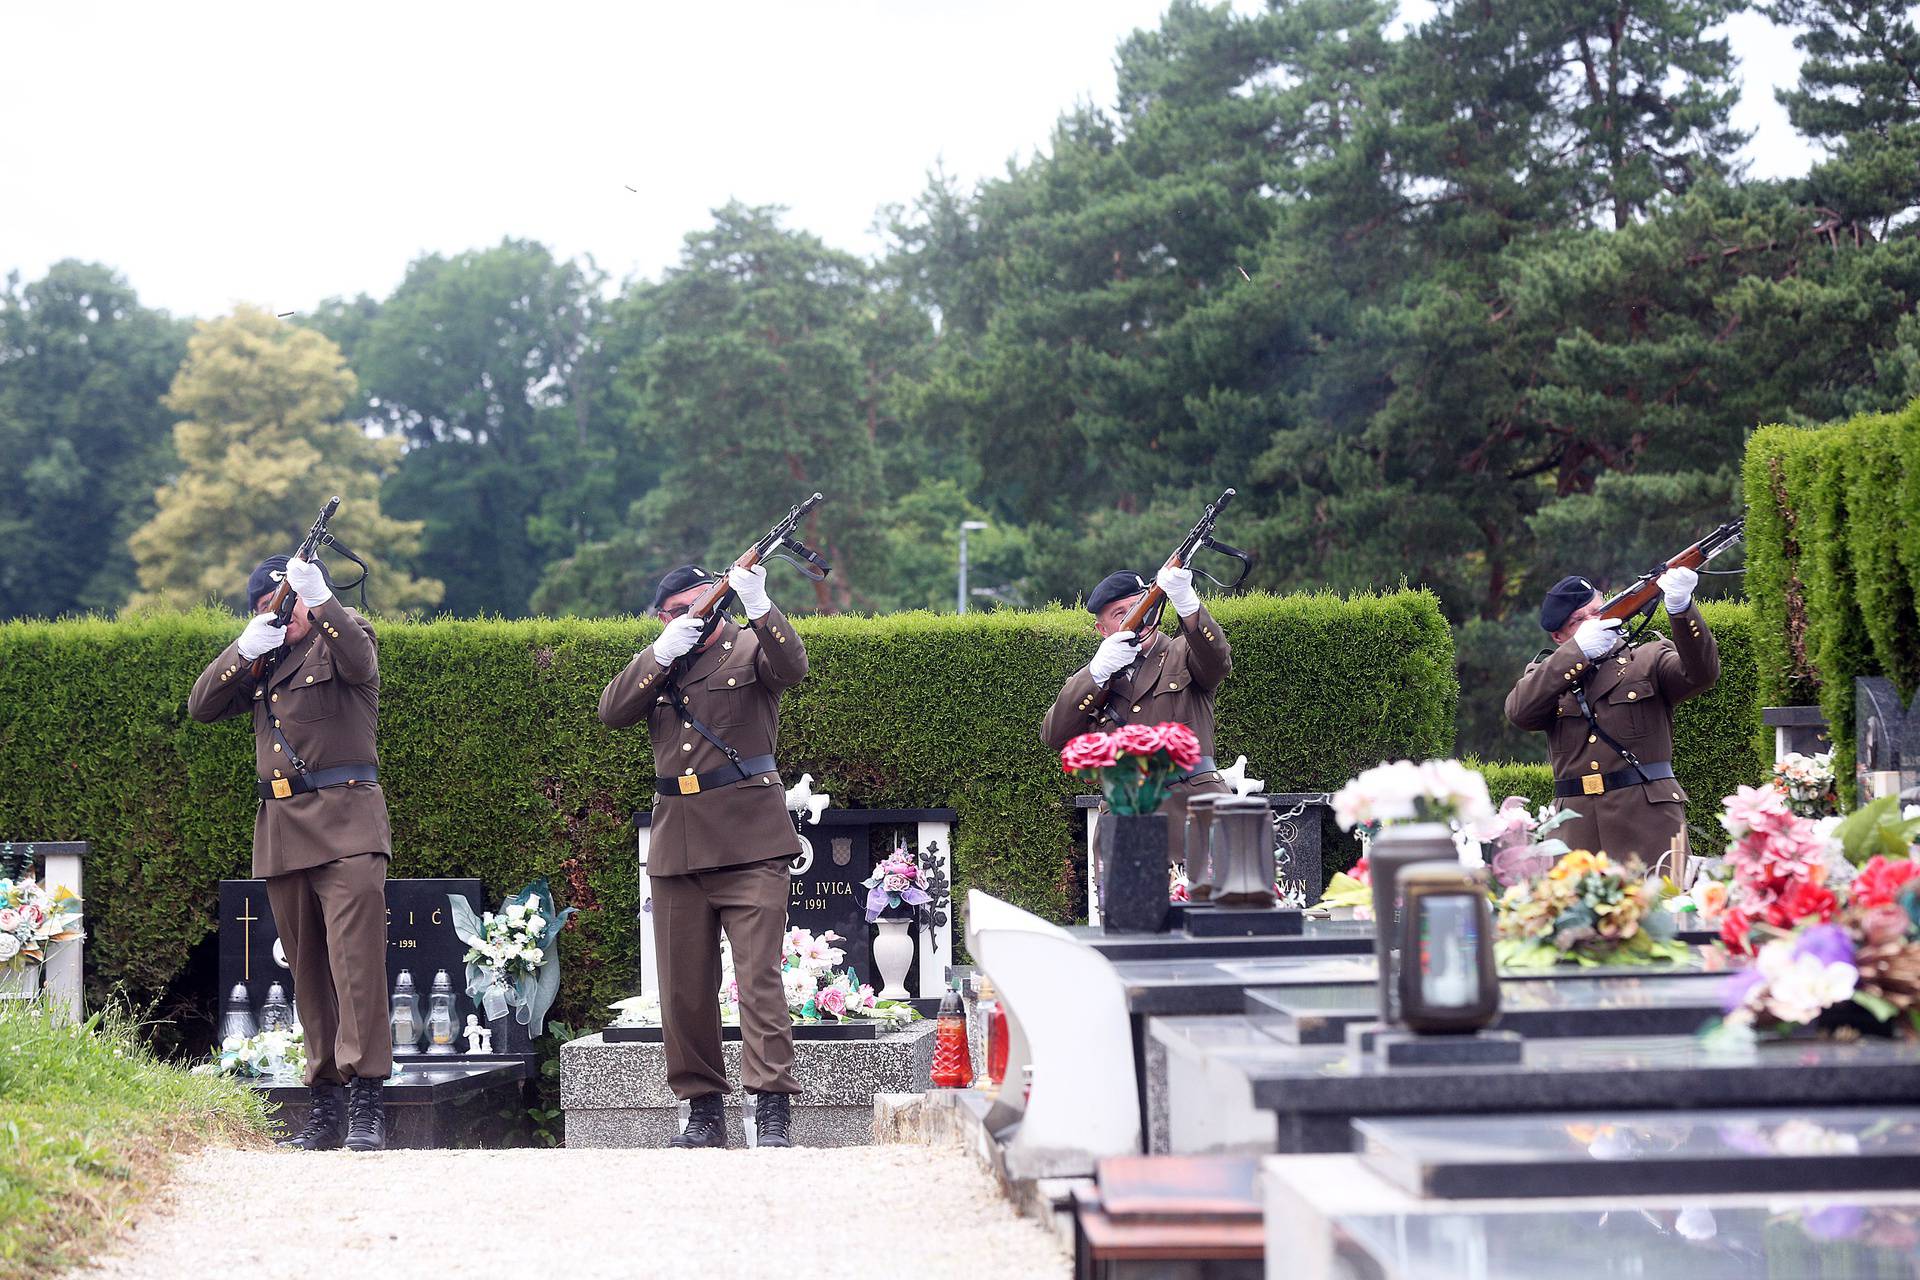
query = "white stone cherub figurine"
{"x": 479, "y": 1038}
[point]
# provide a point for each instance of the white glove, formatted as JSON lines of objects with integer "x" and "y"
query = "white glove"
{"x": 751, "y": 586}
{"x": 678, "y": 638}
{"x": 263, "y": 635}
{"x": 311, "y": 584}
{"x": 1597, "y": 636}
{"x": 1115, "y": 654}
{"x": 1178, "y": 586}
{"x": 1678, "y": 584}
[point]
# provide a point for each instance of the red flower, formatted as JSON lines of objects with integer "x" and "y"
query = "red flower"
{"x": 1088, "y": 751}
{"x": 1881, "y": 881}
{"x": 1181, "y": 745}
{"x": 1138, "y": 740}
{"x": 1805, "y": 900}
{"x": 1734, "y": 927}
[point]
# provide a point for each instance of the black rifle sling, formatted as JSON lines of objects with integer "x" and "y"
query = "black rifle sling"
{"x": 679, "y": 701}
{"x": 1580, "y": 696}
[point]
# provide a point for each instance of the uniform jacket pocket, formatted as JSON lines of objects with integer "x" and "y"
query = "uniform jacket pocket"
{"x": 1631, "y": 702}
{"x": 312, "y": 692}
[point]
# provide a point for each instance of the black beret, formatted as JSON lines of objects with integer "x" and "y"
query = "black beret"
{"x": 1115, "y": 586}
{"x": 1568, "y": 594}
{"x": 264, "y": 579}
{"x": 678, "y": 580}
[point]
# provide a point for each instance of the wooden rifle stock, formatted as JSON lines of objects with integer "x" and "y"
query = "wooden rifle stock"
{"x": 1645, "y": 591}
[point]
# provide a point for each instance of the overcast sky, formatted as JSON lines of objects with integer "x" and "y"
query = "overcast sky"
{"x": 283, "y": 153}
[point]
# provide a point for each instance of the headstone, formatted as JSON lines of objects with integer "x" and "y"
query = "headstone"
{"x": 1887, "y": 738}
{"x": 420, "y": 937}
{"x": 1801, "y": 730}
{"x": 827, "y": 893}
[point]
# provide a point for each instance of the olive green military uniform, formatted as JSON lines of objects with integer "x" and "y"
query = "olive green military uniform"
{"x": 1632, "y": 692}
{"x": 322, "y": 853}
{"x": 718, "y": 856}
{"x": 1175, "y": 679}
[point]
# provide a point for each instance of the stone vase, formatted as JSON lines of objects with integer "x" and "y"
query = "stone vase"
{"x": 22, "y": 983}
{"x": 1393, "y": 848}
{"x": 893, "y": 955}
{"x": 1134, "y": 872}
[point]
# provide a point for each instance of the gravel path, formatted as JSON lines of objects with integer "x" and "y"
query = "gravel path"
{"x": 841, "y": 1212}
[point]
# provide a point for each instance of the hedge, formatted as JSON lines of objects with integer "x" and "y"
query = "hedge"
{"x": 496, "y": 766}
{"x": 1833, "y": 563}
{"x": 1713, "y": 752}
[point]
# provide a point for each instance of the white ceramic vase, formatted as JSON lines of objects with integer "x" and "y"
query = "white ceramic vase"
{"x": 893, "y": 956}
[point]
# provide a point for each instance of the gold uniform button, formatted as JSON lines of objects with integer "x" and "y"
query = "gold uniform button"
{"x": 1172, "y": 686}
{"x": 276, "y": 773}
{"x": 688, "y": 769}
{"x": 1631, "y": 695}
{"x": 1593, "y": 764}
{"x": 309, "y": 679}
{"x": 1136, "y": 706}
{"x": 1591, "y": 738}
{"x": 276, "y": 746}
{"x": 276, "y": 724}
{"x": 1623, "y": 662}
{"x": 276, "y": 697}
{"x": 726, "y": 644}
{"x": 730, "y": 682}
{"x": 686, "y": 746}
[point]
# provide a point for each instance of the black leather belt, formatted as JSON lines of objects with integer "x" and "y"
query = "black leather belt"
{"x": 1593, "y": 784}
{"x": 690, "y": 784}
{"x": 340, "y": 775}
{"x": 1206, "y": 765}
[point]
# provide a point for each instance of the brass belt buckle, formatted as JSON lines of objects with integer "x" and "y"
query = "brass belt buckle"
{"x": 1593, "y": 784}
{"x": 282, "y": 788}
{"x": 689, "y": 784}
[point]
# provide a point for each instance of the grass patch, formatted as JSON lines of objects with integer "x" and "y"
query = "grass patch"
{"x": 88, "y": 1117}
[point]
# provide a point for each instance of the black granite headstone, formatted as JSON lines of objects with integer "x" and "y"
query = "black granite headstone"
{"x": 828, "y": 895}
{"x": 420, "y": 939}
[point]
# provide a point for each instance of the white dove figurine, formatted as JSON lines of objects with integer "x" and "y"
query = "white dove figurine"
{"x": 1237, "y": 779}
{"x": 801, "y": 799}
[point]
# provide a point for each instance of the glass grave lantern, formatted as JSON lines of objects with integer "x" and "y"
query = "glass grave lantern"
{"x": 237, "y": 1018}
{"x": 443, "y": 1027}
{"x": 1242, "y": 852}
{"x": 405, "y": 1020}
{"x": 1447, "y": 979}
{"x": 275, "y": 1013}
{"x": 1199, "y": 847}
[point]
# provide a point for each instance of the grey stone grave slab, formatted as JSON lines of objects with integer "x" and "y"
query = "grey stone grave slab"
{"x": 1645, "y": 1152}
{"x": 1314, "y": 938}
{"x": 1671, "y": 1241}
{"x": 1675, "y": 1005}
{"x": 1317, "y": 1091}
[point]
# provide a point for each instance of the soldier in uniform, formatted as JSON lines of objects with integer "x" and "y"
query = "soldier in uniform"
{"x": 1607, "y": 708}
{"x": 721, "y": 840}
{"x": 1161, "y": 678}
{"x": 320, "y": 835}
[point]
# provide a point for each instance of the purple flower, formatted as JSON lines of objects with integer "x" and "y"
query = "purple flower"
{"x": 1834, "y": 1222}
{"x": 1738, "y": 987}
{"x": 1829, "y": 943}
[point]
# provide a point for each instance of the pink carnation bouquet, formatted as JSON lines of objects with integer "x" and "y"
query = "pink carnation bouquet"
{"x": 1135, "y": 765}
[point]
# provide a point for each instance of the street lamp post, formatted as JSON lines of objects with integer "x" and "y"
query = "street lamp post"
{"x": 965, "y": 527}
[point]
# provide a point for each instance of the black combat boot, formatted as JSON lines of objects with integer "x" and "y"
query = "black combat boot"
{"x": 326, "y": 1126}
{"x": 366, "y": 1115}
{"x": 773, "y": 1120}
{"x": 706, "y": 1126}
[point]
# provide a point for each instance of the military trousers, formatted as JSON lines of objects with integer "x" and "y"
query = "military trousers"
{"x": 748, "y": 903}
{"x": 333, "y": 926}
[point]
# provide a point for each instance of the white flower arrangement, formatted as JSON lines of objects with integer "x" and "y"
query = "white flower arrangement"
{"x": 279, "y": 1052}
{"x": 1431, "y": 791}
{"x": 32, "y": 919}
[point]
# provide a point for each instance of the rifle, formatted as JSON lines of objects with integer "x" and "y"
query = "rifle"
{"x": 1145, "y": 613}
{"x": 775, "y": 544}
{"x": 1640, "y": 599}
{"x": 283, "y": 598}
